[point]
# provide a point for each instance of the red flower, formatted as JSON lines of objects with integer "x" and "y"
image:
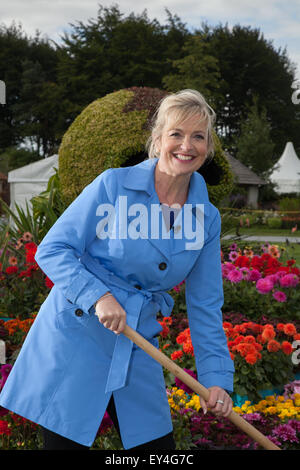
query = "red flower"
{"x": 251, "y": 358}
{"x": 268, "y": 333}
{"x": 286, "y": 347}
{"x": 48, "y": 282}
{"x": 273, "y": 346}
{"x": 183, "y": 336}
{"x": 242, "y": 262}
{"x": 4, "y": 429}
{"x": 188, "y": 348}
{"x": 289, "y": 329}
{"x": 11, "y": 269}
{"x": 176, "y": 355}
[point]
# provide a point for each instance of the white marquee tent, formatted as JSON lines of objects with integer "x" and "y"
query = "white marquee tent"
{"x": 286, "y": 173}
{"x": 30, "y": 180}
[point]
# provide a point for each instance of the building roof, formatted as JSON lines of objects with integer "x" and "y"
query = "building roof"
{"x": 243, "y": 174}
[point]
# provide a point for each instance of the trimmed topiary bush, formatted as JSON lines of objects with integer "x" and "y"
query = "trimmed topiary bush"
{"x": 112, "y": 132}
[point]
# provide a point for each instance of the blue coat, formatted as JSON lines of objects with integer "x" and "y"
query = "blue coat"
{"x": 70, "y": 364}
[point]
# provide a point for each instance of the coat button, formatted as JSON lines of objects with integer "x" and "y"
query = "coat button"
{"x": 137, "y": 286}
{"x": 162, "y": 266}
{"x": 78, "y": 312}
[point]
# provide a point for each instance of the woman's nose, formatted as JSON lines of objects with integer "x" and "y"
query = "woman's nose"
{"x": 186, "y": 143}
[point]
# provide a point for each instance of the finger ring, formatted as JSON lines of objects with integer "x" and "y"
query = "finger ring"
{"x": 220, "y": 401}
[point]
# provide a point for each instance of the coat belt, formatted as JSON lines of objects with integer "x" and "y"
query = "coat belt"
{"x": 123, "y": 347}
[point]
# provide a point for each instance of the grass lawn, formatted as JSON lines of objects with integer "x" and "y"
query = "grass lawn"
{"x": 292, "y": 250}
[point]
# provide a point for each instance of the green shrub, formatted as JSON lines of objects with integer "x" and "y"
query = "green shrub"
{"x": 289, "y": 204}
{"x": 274, "y": 222}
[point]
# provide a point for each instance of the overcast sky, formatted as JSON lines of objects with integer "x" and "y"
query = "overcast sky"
{"x": 278, "y": 20}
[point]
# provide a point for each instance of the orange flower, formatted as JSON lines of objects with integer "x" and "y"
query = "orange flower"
{"x": 251, "y": 358}
{"x": 296, "y": 336}
{"x": 183, "y": 336}
{"x": 176, "y": 355}
{"x": 289, "y": 329}
{"x": 286, "y": 347}
{"x": 280, "y": 326}
{"x": 166, "y": 346}
{"x": 268, "y": 333}
{"x": 27, "y": 236}
{"x": 188, "y": 348}
{"x": 12, "y": 260}
{"x": 249, "y": 339}
{"x": 273, "y": 346}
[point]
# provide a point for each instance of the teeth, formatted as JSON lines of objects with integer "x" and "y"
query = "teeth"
{"x": 183, "y": 157}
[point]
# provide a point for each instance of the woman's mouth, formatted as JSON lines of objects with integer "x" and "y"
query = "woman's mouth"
{"x": 183, "y": 158}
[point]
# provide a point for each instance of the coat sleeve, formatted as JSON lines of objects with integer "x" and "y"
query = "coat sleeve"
{"x": 204, "y": 300}
{"x": 59, "y": 252}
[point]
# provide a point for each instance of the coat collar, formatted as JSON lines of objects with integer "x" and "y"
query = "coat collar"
{"x": 140, "y": 177}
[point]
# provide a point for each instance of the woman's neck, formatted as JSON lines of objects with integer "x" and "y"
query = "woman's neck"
{"x": 171, "y": 189}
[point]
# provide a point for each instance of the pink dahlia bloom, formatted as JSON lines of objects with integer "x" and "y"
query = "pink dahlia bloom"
{"x": 235, "y": 275}
{"x": 279, "y": 296}
{"x": 289, "y": 280}
{"x": 264, "y": 285}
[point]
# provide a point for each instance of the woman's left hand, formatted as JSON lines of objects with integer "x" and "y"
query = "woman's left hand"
{"x": 219, "y": 402}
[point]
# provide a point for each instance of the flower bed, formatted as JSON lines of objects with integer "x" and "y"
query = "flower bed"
{"x": 261, "y": 323}
{"x": 260, "y": 284}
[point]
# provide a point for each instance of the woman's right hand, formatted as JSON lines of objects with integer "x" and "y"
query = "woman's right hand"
{"x": 111, "y": 314}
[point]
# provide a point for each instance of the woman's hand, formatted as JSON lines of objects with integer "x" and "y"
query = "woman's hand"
{"x": 111, "y": 314}
{"x": 216, "y": 396}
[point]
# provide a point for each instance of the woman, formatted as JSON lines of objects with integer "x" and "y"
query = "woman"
{"x": 110, "y": 268}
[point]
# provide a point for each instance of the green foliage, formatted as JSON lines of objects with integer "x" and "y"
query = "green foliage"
{"x": 274, "y": 222}
{"x": 254, "y": 145}
{"x": 46, "y": 208}
{"x": 289, "y": 204}
{"x": 13, "y": 158}
{"x": 273, "y": 369}
{"x": 250, "y": 66}
{"x": 48, "y": 205}
{"x": 198, "y": 69}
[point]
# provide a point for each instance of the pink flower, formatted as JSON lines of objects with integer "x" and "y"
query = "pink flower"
{"x": 233, "y": 255}
{"x": 254, "y": 275}
{"x": 289, "y": 280}
{"x": 279, "y": 296}
{"x": 233, "y": 247}
{"x": 235, "y": 275}
{"x": 246, "y": 273}
{"x": 264, "y": 285}
{"x": 226, "y": 268}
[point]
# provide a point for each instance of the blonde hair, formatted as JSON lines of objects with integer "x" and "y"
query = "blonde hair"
{"x": 179, "y": 107}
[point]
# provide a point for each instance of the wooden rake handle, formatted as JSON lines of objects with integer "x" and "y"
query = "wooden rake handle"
{"x": 196, "y": 386}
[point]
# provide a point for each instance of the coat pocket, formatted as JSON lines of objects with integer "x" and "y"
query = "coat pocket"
{"x": 72, "y": 317}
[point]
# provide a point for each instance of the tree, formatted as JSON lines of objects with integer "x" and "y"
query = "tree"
{"x": 198, "y": 69}
{"x": 113, "y": 52}
{"x": 34, "y": 100}
{"x": 254, "y": 145}
{"x": 250, "y": 65}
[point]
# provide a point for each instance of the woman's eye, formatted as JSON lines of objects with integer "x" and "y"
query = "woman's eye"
{"x": 175, "y": 134}
{"x": 199, "y": 136}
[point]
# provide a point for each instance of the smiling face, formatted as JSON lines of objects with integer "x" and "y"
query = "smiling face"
{"x": 183, "y": 146}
